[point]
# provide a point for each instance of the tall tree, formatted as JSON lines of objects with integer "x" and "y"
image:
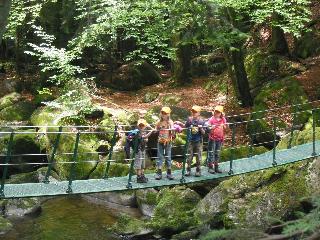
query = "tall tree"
{"x": 5, "y": 6}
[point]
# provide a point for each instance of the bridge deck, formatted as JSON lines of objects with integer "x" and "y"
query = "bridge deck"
{"x": 240, "y": 166}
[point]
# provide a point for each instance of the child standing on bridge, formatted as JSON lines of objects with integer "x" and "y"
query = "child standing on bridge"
{"x": 165, "y": 129}
{"x": 141, "y": 141}
{"x": 217, "y": 124}
{"x": 196, "y": 123}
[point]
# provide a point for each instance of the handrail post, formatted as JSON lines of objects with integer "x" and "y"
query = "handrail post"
{"x": 133, "y": 156}
{"x": 74, "y": 158}
{"x": 185, "y": 153}
{"x": 7, "y": 159}
{"x": 233, "y": 147}
{"x": 314, "y": 153}
{"x": 292, "y": 129}
{"x": 113, "y": 143}
{"x": 54, "y": 151}
{"x": 274, "y": 162}
{"x": 250, "y": 154}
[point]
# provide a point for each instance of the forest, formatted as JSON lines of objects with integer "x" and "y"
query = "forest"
{"x": 97, "y": 65}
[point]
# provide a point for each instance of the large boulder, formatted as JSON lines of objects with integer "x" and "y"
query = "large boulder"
{"x": 5, "y": 225}
{"x": 205, "y": 65}
{"x": 175, "y": 210}
{"x": 147, "y": 201}
{"x": 308, "y": 45}
{"x": 24, "y": 142}
{"x": 21, "y": 207}
{"x": 9, "y": 100}
{"x": 134, "y": 76}
{"x": 126, "y": 199}
{"x": 249, "y": 200}
{"x": 20, "y": 111}
{"x": 262, "y": 67}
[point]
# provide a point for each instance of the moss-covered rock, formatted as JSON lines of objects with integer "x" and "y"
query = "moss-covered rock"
{"x": 9, "y": 100}
{"x": 115, "y": 170}
{"x": 127, "y": 225}
{"x": 134, "y": 76}
{"x": 240, "y": 152}
{"x": 5, "y": 225}
{"x": 262, "y": 67}
{"x": 175, "y": 210}
{"x": 45, "y": 116}
{"x": 20, "y": 111}
{"x": 125, "y": 198}
{"x": 308, "y": 45}
{"x": 287, "y": 91}
{"x": 150, "y": 97}
{"x": 170, "y": 99}
{"x": 24, "y": 142}
{"x": 21, "y": 206}
{"x": 249, "y": 200}
{"x": 33, "y": 177}
{"x": 147, "y": 200}
{"x": 208, "y": 64}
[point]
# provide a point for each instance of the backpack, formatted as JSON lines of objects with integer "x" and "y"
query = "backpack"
{"x": 129, "y": 142}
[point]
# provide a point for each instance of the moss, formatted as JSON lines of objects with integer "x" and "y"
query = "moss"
{"x": 241, "y": 152}
{"x": 261, "y": 67}
{"x": 115, "y": 170}
{"x": 127, "y": 225}
{"x": 31, "y": 177}
{"x": 287, "y": 91}
{"x": 150, "y": 97}
{"x": 23, "y": 143}
{"x": 45, "y": 116}
{"x": 298, "y": 138}
{"x": 134, "y": 76}
{"x": 9, "y": 100}
{"x": 5, "y": 225}
{"x": 175, "y": 210}
{"x": 20, "y": 111}
{"x": 308, "y": 45}
{"x": 171, "y": 100}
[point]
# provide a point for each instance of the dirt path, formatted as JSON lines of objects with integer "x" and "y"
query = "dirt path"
{"x": 310, "y": 79}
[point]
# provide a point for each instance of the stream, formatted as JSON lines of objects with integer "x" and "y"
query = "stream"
{"x": 66, "y": 218}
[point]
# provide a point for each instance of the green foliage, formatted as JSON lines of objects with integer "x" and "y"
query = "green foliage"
{"x": 75, "y": 87}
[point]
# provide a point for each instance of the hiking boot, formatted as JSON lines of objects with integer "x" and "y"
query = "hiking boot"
{"x": 141, "y": 179}
{"x": 158, "y": 175}
{"x": 169, "y": 174}
{"x": 188, "y": 173}
{"x": 144, "y": 177}
{"x": 210, "y": 169}
{"x": 198, "y": 172}
{"x": 216, "y": 169}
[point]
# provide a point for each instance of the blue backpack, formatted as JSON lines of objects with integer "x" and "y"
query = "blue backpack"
{"x": 129, "y": 142}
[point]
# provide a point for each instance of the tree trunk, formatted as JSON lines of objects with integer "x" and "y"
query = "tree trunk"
{"x": 240, "y": 74}
{"x": 4, "y": 14}
{"x": 182, "y": 64}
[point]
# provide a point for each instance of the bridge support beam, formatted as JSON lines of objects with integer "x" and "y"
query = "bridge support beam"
{"x": 74, "y": 161}
{"x": 113, "y": 142}
{"x": 5, "y": 168}
{"x": 54, "y": 151}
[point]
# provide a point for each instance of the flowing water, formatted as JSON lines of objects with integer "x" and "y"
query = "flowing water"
{"x": 65, "y": 218}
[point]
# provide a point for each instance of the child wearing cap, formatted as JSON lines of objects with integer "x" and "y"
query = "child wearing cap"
{"x": 164, "y": 126}
{"x": 139, "y": 161}
{"x": 217, "y": 124}
{"x": 196, "y": 123}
